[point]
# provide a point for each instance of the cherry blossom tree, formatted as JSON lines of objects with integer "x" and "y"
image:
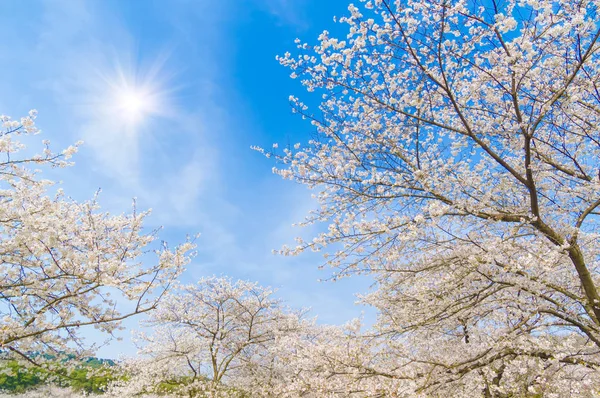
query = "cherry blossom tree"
{"x": 327, "y": 361}
{"x": 209, "y": 339}
{"x": 63, "y": 264}
{"x": 457, "y": 160}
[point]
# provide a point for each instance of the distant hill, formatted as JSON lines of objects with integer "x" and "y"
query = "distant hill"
{"x": 16, "y": 377}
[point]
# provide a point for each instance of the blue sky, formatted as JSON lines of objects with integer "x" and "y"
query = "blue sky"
{"x": 210, "y": 67}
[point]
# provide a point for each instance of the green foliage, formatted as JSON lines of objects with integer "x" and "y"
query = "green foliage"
{"x": 90, "y": 380}
{"x": 16, "y": 378}
{"x": 90, "y": 375}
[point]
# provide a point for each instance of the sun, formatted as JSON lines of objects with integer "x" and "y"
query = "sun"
{"x": 132, "y": 96}
{"x": 135, "y": 104}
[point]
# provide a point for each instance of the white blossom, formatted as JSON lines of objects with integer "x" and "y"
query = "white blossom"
{"x": 457, "y": 163}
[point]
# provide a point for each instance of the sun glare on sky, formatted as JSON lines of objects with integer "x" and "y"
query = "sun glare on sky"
{"x": 132, "y": 94}
{"x": 135, "y": 104}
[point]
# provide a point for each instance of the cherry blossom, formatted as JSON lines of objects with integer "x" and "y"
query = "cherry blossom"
{"x": 65, "y": 265}
{"x": 456, "y": 161}
{"x": 210, "y": 339}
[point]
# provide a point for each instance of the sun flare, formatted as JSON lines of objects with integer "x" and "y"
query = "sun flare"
{"x": 135, "y": 104}
{"x": 131, "y": 93}
{"x": 132, "y": 102}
